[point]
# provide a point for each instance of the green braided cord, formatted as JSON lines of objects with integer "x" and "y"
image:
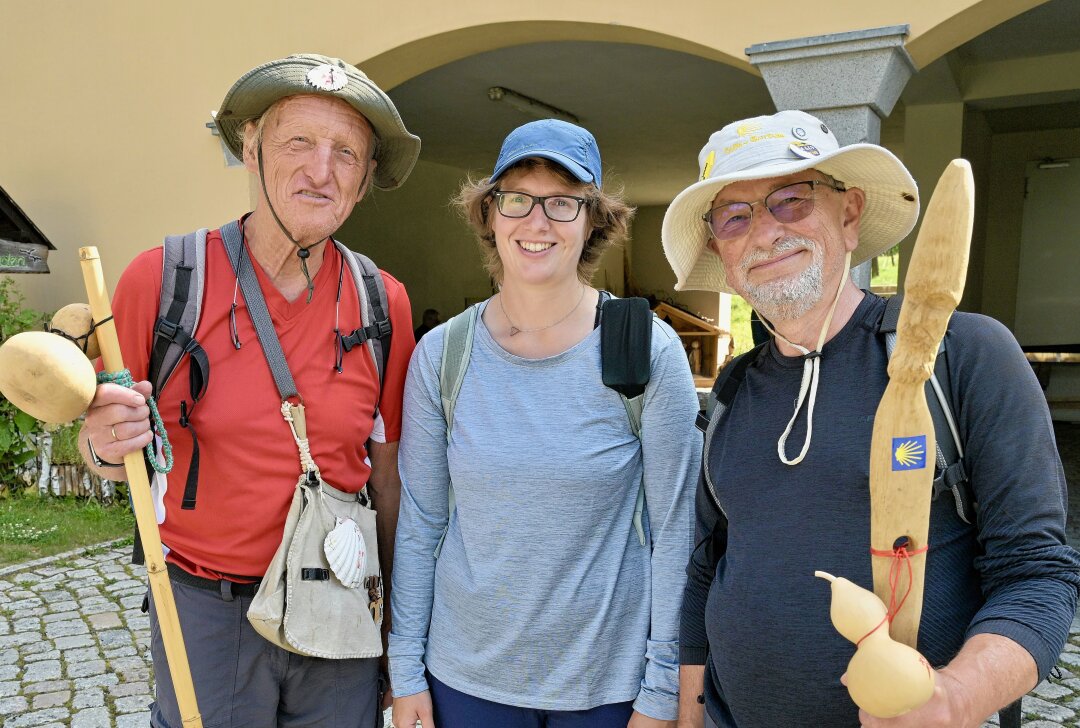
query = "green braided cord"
{"x": 123, "y": 378}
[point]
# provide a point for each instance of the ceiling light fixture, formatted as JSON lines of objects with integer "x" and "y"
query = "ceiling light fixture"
{"x": 528, "y": 105}
{"x": 1050, "y": 163}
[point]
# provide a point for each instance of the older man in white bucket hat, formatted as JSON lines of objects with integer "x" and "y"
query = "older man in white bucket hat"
{"x": 779, "y": 214}
{"x": 316, "y": 134}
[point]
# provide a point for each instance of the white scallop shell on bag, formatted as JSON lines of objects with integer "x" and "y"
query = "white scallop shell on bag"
{"x": 346, "y": 552}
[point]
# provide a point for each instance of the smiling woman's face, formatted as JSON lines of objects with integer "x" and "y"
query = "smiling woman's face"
{"x": 533, "y": 249}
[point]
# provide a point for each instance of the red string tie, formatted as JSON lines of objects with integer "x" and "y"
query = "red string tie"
{"x": 900, "y": 556}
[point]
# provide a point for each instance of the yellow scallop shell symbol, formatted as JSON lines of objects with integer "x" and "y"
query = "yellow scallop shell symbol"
{"x": 908, "y": 453}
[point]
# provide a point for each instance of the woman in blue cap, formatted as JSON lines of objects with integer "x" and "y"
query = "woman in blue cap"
{"x": 522, "y": 593}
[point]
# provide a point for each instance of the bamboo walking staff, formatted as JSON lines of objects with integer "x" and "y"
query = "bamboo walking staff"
{"x": 903, "y": 446}
{"x": 168, "y": 618}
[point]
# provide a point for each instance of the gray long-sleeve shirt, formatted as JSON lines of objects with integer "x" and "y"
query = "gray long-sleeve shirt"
{"x": 542, "y": 595}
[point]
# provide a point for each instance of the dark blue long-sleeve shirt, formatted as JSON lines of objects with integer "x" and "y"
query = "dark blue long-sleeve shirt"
{"x": 762, "y": 618}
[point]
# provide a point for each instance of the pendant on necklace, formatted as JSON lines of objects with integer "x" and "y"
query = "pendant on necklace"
{"x": 514, "y": 330}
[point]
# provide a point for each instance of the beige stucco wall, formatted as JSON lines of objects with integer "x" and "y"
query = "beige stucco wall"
{"x": 1010, "y": 154}
{"x": 651, "y": 272}
{"x": 105, "y": 102}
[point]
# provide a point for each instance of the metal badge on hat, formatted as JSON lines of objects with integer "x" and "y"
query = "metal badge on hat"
{"x": 327, "y": 78}
{"x": 804, "y": 150}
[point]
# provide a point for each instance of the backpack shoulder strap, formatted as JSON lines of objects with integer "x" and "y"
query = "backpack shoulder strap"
{"x": 626, "y": 347}
{"x": 183, "y": 276}
{"x": 457, "y": 349}
{"x": 626, "y": 366}
{"x": 727, "y": 386}
{"x": 951, "y": 476}
{"x": 375, "y": 330}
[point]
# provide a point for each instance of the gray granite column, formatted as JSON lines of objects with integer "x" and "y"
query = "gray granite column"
{"x": 851, "y": 81}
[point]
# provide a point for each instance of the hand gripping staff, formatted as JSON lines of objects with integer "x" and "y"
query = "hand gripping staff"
{"x": 887, "y": 677}
{"x": 168, "y": 619}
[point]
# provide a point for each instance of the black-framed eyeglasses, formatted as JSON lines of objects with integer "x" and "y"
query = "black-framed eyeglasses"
{"x": 789, "y": 203}
{"x": 559, "y": 208}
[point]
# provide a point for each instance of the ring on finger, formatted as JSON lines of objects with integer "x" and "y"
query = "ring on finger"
{"x": 113, "y": 431}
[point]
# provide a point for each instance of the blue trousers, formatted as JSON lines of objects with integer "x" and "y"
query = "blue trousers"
{"x": 455, "y": 709}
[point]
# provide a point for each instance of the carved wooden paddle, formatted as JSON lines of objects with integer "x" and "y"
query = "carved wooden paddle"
{"x": 903, "y": 446}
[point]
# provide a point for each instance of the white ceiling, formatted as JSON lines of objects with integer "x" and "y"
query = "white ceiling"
{"x": 652, "y": 110}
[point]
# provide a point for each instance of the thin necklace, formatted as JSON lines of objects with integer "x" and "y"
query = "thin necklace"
{"x": 514, "y": 330}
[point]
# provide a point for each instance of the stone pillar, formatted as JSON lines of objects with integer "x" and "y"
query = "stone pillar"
{"x": 851, "y": 81}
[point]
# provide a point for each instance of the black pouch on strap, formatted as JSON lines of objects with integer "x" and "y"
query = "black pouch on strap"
{"x": 626, "y": 345}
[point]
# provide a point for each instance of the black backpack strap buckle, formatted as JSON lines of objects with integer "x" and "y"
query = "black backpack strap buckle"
{"x": 359, "y": 336}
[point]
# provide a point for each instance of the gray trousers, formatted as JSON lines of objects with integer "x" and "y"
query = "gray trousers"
{"x": 241, "y": 680}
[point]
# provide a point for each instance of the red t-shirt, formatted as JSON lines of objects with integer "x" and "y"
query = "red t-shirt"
{"x": 249, "y": 462}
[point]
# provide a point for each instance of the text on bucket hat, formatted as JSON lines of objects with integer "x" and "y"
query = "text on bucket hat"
{"x": 775, "y": 146}
{"x": 568, "y": 145}
{"x": 259, "y": 88}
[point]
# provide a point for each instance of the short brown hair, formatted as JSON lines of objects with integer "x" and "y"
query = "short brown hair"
{"x": 609, "y": 216}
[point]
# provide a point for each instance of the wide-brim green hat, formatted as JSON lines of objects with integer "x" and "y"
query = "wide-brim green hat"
{"x": 309, "y": 73}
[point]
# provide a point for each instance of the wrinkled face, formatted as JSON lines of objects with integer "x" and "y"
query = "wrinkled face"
{"x": 785, "y": 269}
{"x": 533, "y": 249}
{"x": 316, "y": 163}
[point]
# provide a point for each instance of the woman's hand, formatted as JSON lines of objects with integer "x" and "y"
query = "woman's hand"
{"x": 413, "y": 708}
{"x": 639, "y": 720}
{"x": 117, "y": 423}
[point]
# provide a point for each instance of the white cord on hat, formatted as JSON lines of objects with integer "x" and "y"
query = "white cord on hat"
{"x": 810, "y": 377}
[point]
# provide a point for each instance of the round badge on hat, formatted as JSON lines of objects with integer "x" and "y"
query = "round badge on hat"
{"x": 798, "y": 132}
{"x": 327, "y": 78}
{"x": 804, "y": 150}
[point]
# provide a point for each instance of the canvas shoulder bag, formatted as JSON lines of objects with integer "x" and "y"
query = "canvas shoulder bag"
{"x": 322, "y": 593}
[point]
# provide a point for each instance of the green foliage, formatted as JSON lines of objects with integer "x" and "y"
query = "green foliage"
{"x": 740, "y": 325}
{"x": 65, "y": 445}
{"x": 32, "y": 527}
{"x": 887, "y": 270}
{"x": 16, "y": 428}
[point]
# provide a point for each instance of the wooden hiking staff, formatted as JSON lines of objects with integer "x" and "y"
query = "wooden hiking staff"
{"x": 903, "y": 448}
{"x": 887, "y": 677}
{"x": 139, "y": 486}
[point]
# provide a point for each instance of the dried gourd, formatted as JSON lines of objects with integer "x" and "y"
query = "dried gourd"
{"x": 46, "y": 376}
{"x": 75, "y": 320}
{"x": 885, "y": 678}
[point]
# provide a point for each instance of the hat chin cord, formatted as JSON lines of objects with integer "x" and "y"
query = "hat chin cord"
{"x": 810, "y": 377}
{"x": 303, "y": 252}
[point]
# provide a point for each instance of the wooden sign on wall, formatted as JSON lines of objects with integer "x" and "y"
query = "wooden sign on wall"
{"x": 23, "y": 257}
{"x": 23, "y": 247}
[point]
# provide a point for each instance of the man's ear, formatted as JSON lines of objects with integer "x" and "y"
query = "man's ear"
{"x": 369, "y": 175}
{"x": 713, "y": 246}
{"x": 851, "y": 216}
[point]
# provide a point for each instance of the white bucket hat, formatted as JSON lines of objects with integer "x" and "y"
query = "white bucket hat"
{"x": 774, "y": 146}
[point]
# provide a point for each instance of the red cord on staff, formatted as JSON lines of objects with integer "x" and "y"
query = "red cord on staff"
{"x": 900, "y": 556}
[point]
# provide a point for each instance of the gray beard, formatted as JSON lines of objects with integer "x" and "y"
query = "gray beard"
{"x": 789, "y": 298}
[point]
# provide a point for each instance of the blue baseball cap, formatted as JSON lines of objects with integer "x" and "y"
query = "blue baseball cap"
{"x": 568, "y": 145}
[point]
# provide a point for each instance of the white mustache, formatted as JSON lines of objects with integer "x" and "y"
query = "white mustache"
{"x": 784, "y": 245}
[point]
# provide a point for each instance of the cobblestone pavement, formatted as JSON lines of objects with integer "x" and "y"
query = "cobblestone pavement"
{"x": 74, "y": 648}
